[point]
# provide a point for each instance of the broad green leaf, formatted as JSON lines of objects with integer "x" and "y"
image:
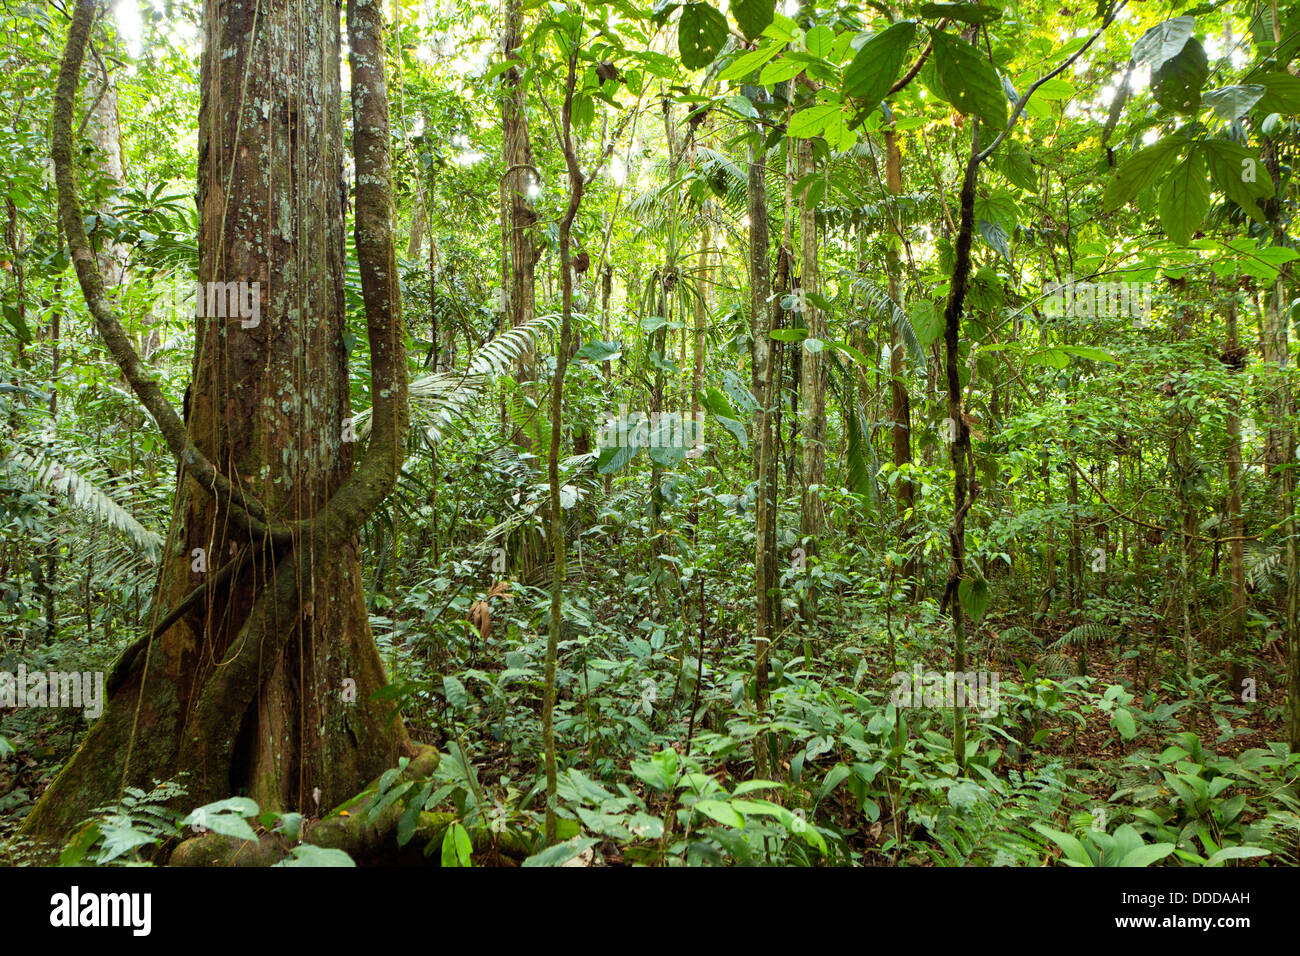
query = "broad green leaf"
{"x": 600, "y": 351}
{"x": 1163, "y": 42}
{"x": 973, "y": 592}
{"x": 561, "y": 853}
{"x": 1177, "y": 85}
{"x": 716, "y": 401}
{"x": 1018, "y": 166}
{"x": 996, "y": 237}
{"x": 615, "y": 457}
{"x": 965, "y": 12}
{"x": 721, "y": 811}
{"x": 1235, "y": 853}
{"x": 1146, "y": 855}
{"x": 969, "y": 81}
{"x": 819, "y": 41}
{"x": 927, "y": 321}
{"x": 1185, "y": 198}
{"x": 1141, "y": 170}
{"x": 746, "y": 64}
{"x": 1281, "y": 92}
{"x": 752, "y": 16}
{"x": 1239, "y": 173}
{"x": 1234, "y": 102}
{"x": 1054, "y": 88}
{"x": 837, "y": 775}
{"x": 1073, "y": 849}
{"x": 778, "y": 71}
{"x": 876, "y": 66}
{"x": 306, "y": 854}
{"x": 1088, "y": 352}
{"x": 812, "y": 121}
{"x": 701, "y": 33}
{"x": 457, "y": 848}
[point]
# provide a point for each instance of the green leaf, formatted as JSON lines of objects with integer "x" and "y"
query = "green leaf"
{"x": 1235, "y": 853}
{"x": 812, "y": 121}
{"x": 457, "y": 847}
{"x": 1018, "y": 166}
{"x": 1052, "y": 358}
{"x": 561, "y": 853}
{"x": 965, "y": 12}
{"x": 660, "y": 771}
{"x": 1146, "y": 855}
{"x": 1185, "y": 198}
{"x": 1124, "y": 723}
{"x": 721, "y": 811}
{"x": 819, "y": 41}
{"x": 1163, "y": 42}
{"x": 701, "y": 33}
{"x": 786, "y": 68}
{"x": 1234, "y": 102}
{"x": 1141, "y": 170}
{"x": 736, "y": 428}
{"x": 454, "y": 692}
{"x": 715, "y": 400}
{"x": 1177, "y": 85}
{"x": 614, "y": 457}
{"x": 850, "y": 351}
{"x": 1088, "y": 352}
{"x": 600, "y": 351}
{"x": 1281, "y": 92}
{"x": 1239, "y": 173}
{"x": 838, "y": 774}
{"x": 927, "y": 321}
{"x": 746, "y": 64}
{"x": 973, "y": 592}
{"x": 1073, "y": 849}
{"x": 306, "y": 854}
{"x": 996, "y": 237}
{"x": 859, "y": 456}
{"x": 752, "y": 16}
{"x": 969, "y": 81}
{"x": 876, "y": 65}
{"x": 15, "y": 319}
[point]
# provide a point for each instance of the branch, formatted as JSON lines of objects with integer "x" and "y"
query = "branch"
{"x": 1024, "y": 100}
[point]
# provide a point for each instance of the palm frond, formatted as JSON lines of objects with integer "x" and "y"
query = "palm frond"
{"x": 44, "y": 472}
{"x": 438, "y": 398}
{"x": 880, "y": 304}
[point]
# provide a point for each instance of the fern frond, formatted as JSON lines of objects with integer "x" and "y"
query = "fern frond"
{"x": 43, "y": 472}
{"x": 1082, "y": 634}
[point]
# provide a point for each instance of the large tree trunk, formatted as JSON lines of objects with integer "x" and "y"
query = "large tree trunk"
{"x": 519, "y": 257}
{"x": 264, "y": 685}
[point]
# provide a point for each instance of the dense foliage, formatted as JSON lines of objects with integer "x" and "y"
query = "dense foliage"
{"x": 895, "y": 340}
